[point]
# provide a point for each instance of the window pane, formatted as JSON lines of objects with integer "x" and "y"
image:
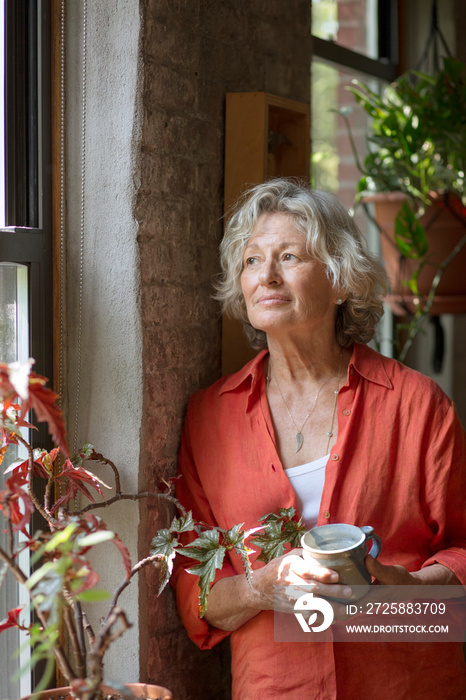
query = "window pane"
{"x": 333, "y": 162}
{"x": 14, "y": 346}
{"x": 350, "y": 23}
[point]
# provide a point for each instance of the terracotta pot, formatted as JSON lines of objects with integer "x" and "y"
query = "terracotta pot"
{"x": 139, "y": 690}
{"x": 444, "y": 230}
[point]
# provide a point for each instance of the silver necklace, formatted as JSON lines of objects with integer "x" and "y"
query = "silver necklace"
{"x": 330, "y": 431}
{"x": 299, "y": 437}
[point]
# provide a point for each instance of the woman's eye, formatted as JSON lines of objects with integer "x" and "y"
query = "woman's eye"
{"x": 289, "y": 256}
{"x": 251, "y": 261}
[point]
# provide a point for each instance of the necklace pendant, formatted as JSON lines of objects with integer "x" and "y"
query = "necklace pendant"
{"x": 299, "y": 441}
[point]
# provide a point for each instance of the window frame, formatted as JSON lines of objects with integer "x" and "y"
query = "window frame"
{"x": 386, "y": 67}
{"x": 27, "y": 237}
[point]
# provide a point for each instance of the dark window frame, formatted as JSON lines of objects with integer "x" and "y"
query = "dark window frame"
{"x": 386, "y": 67}
{"x": 27, "y": 236}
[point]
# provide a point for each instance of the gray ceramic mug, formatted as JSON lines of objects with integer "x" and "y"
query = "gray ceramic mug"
{"x": 342, "y": 548}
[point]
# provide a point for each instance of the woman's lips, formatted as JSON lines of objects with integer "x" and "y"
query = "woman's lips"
{"x": 271, "y": 299}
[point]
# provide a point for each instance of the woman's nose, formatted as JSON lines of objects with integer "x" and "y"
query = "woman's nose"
{"x": 269, "y": 273}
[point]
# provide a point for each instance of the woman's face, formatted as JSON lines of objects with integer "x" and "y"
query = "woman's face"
{"x": 284, "y": 287}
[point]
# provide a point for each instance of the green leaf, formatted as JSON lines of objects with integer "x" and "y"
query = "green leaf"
{"x": 47, "y": 594}
{"x": 39, "y": 574}
{"x": 93, "y": 596}
{"x": 270, "y": 542}
{"x": 413, "y": 283}
{"x": 202, "y": 545}
{"x": 83, "y": 453}
{"x": 410, "y": 235}
{"x": 210, "y": 553}
{"x": 279, "y": 530}
{"x": 293, "y": 531}
{"x": 96, "y": 538}
{"x": 212, "y": 560}
{"x": 284, "y": 513}
{"x": 183, "y": 524}
{"x": 235, "y": 539}
{"x": 61, "y": 537}
{"x": 163, "y": 545}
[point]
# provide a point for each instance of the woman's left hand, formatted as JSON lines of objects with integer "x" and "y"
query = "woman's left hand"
{"x": 396, "y": 575}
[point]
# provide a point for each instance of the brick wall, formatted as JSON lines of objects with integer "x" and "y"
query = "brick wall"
{"x": 193, "y": 52}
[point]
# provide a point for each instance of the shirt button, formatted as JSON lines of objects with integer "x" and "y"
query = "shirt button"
{"x": 335, "y": 457}
{"x": 326, "y": 514}
{"x": 347, "y": 412}
{"x": 351, "y": 371}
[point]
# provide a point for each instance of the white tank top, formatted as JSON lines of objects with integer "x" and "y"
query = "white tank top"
{"x": 307, "y": 481}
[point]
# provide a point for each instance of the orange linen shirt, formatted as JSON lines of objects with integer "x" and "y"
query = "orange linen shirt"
{"x": 398, "y": 465}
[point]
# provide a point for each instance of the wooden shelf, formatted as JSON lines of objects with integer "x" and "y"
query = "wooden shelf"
{"x": 265, "y": 136}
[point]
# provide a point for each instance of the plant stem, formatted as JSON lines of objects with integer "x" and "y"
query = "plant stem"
{"x": 421, "y": 316}
{"x": 352, "y": 143}
{"x": 128, "y": 496}
{"x": 136, "y": 568}
{"x": 37, "y": 504}
{"x": 97, "y": 457}
{"x": 70, "y": 628}
{"x": 103, "y": 641}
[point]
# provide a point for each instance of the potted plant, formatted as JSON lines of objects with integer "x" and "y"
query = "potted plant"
{"x": 63, "y": 580}
{"x": 414, "y": 174}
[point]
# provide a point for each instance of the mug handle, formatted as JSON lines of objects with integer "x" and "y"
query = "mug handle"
{"x": 376, "y": 541}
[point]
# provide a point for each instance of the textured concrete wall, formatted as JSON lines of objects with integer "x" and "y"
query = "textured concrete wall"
{"x": 110, "y": 368}
{"x": 193, "y": 52}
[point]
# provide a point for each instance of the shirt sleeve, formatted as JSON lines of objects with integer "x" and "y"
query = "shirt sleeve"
{"x": 444, "y": 493}
{"x": 191, "y": 495}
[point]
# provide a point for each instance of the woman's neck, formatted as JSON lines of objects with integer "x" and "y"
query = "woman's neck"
{"x": 302, "y": 388}
{"x": 302, "y": 362}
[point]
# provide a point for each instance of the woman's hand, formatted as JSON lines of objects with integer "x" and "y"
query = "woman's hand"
{"x": 396, "y": 575}
{"x": 275, "y": 586}
{"x": 282, "y": 581}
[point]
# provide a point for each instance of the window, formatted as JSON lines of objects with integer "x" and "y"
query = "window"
{"x": 351, "y": 39}
{"x": 25, "y": 228}
{"x": 14, "y": 346}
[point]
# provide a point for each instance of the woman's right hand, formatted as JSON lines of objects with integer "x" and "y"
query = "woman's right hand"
{"x": 280, "y": 583}
{"x": 275, "y": 586}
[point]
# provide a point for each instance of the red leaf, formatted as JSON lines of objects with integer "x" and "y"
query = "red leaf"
{"x": 168, "y": 485}
{"x": 7, "y": 390}
{"x": 39, "y": 468}
{"x": 10, "y": 503}
{"x": 91, "y": 580}
{"x": 44, "y": 402}
{"x": 125, "y": 555}
{"x": 17, "y": 380}
{"x": 12, "y": 619}
{"x": 77, "y": 478}
{"x": 3, "y": 449}
{"x": 95, "y": 524}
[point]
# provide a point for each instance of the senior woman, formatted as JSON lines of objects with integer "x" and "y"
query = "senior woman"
{"x": 321, "y": 422}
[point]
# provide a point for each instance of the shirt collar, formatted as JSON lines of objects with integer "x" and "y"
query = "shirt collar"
{"x": 366, "y": 362}
{"x": 370, "y": 364}
{"x": 251, "y": 371}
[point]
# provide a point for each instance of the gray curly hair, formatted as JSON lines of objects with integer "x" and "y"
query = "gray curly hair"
{"x": 332, "y": 238}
